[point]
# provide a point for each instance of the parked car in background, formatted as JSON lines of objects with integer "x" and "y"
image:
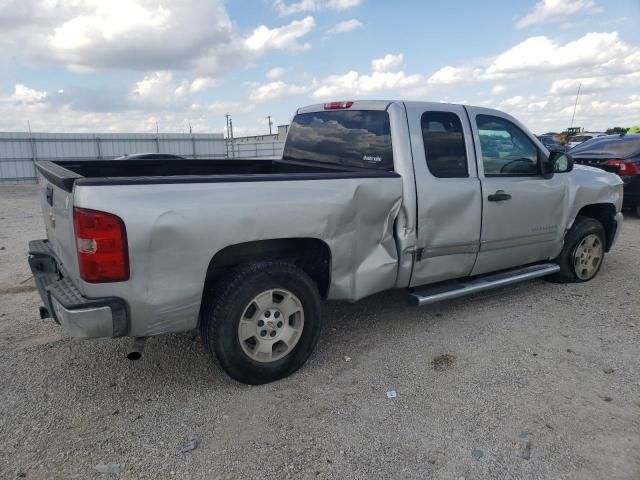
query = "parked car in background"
{"x": 583, "y": 137}
{"x": 617, "y": 154}
{"x": 150, "y": 156}
{"x": 552, "y": 142}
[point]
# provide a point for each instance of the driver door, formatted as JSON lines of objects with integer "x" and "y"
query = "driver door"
{"x": 521, "y": 210}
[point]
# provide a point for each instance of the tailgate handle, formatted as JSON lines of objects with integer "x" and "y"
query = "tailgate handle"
{"x": 50, "y": 195}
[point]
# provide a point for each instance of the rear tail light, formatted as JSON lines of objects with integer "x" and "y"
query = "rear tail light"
{"x": 337, "y": 105}
{"x": 101, "y": 239}
{"x": 625, "y": 167}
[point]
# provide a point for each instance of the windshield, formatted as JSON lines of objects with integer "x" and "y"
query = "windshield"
{"x": 352, "y": 138}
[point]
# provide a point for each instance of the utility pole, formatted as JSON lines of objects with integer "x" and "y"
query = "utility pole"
{"x": 233, "y": 147}
{"x": 157, "y": 138}
{"x": 33, "y": 145}
{"x": 227, "y": 117}
{"x": 576, "y": 104}
{"x": 268, "y": 117}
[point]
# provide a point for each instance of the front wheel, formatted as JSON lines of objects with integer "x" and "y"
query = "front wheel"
{"x": 263, "y": 321}
{"x": 583, "y": 251}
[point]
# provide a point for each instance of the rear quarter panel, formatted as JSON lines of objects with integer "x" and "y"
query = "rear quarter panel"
{"x": 174, "y": 230}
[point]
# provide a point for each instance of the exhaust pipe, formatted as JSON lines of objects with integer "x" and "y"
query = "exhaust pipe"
{"x": 135, "y": 352}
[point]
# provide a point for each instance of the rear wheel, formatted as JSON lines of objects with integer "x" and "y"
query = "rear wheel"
{"x": 583, "y": 251}
{"x": 263, "y": 321}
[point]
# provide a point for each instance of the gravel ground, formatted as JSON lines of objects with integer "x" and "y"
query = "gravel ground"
{"x": 534, "y": 381}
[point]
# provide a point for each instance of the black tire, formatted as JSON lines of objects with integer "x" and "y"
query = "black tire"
{"x": 227, "y": 303}
{"x": 582, "y": 227}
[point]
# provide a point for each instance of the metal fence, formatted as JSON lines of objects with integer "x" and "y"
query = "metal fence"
{"x": 19, "y": 151}
{"x": 268, "y": 149}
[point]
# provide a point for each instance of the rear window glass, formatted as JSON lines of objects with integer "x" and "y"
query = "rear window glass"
{"x": 618, "y": 147}
{"x": 350, "y": 138}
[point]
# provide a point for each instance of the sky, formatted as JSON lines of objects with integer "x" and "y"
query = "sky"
{"x": 134, "y": 65}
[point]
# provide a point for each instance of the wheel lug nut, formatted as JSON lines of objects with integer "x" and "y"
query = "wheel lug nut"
{"x": 263, "y": 333}
{"x": 273, "y": 333}
{"x": 267, "y": 314}
{"x": 260, "y": 323}
{"x": 279, "y": 324}
{"x": 276, "y": 314}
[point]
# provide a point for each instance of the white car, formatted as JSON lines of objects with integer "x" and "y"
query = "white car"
{"x": 583, "y": 137}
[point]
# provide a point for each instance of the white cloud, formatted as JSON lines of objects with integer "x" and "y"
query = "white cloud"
{"x": 264, "y": 38}
{"x": 200, "y": 84}
{"x": 158, "y": 89}
{"x": 513, "y": 101}
{"x": 557, "y": 11}
{"x": 146, "y": 35}
{"x": 588, "y": 85}
{"x": 498, "y": 89}
{"x": 107, "y": 21}
{"x": 221, "y": 108}
{"x": 593, "y": 51}
{"x": 543, "y": 114}
{"x": 449, "y": 75}
{"x": 569, "y": 86}
{"x": 137, "y": 34}
{"x": 344, "y": 27}
{"x": 275, "y": 73}
{"x": 537, "y": 106}
{"x": 355, "y": 84}
{"x": 23, "y": 95}
{"x": 50, "y": 111}
{"x": 389, "y": 62}
{"x": 313, "y": 5}
{"x": 277, "y": 89}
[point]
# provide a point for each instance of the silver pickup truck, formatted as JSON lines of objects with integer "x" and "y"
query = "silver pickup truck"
{"x": 442, "y": 200}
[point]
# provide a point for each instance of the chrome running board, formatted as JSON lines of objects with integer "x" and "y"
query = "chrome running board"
{"x": 461, "y": 288}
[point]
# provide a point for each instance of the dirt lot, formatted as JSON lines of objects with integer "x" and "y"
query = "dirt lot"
{"x": 535, "y": 381}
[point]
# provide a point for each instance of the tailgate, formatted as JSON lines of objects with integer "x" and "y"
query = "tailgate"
{"x": 57, "y": 210}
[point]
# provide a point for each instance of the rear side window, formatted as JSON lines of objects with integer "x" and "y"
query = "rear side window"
{"x": 444, "y": 144}
{"x": 350, "y": 138}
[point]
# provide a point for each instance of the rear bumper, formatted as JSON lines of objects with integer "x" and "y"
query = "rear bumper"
{"x": 81, "y": 317}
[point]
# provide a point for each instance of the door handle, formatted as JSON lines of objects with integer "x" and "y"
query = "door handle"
{"x": 499, "y": 196}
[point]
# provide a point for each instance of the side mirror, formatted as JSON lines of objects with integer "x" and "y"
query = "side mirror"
{"x": 557, "y": 162}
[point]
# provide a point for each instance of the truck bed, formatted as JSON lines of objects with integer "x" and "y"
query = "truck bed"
{"x": 65, "y": 173}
